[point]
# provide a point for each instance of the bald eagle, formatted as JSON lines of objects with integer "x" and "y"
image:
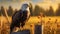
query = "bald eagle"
{"x": 19, "y": 18}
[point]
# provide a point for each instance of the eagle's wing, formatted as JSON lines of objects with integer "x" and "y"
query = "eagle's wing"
{"x": 14, "y": 15}
{"x": 17, "y": 16}
{"x": 16, "y": 20}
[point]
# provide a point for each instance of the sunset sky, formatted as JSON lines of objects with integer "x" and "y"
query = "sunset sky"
{"x": 17, "y": 3}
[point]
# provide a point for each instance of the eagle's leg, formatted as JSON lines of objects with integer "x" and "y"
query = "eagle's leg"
{"x": 19, "y": 27}
{"x": 22, "y": 26}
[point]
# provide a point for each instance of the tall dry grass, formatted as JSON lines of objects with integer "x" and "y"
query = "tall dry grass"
{"x": 48, "y": 26}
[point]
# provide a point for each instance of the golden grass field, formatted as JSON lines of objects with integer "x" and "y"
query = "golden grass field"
{"x": 4, "y": 25}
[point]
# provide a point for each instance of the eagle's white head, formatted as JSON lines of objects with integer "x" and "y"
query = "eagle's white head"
{"x": 26, "y": 6}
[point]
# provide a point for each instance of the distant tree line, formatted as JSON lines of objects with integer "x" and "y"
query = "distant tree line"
{"x": 48, "y": 12}
{"x": 9, "y": 11}
{"x": 34, "y": 12}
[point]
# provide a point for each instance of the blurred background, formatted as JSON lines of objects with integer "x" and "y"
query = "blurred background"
{"x": 44, "y": 14}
